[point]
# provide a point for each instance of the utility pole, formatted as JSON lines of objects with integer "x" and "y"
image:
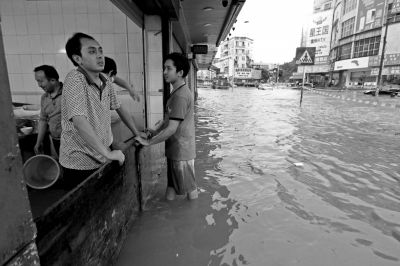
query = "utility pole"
{"x": 386, "y": 19}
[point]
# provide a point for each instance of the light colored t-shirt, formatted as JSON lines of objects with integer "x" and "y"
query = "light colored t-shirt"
{"x": 180, "y": 106}
{"x": 82, "y": 97}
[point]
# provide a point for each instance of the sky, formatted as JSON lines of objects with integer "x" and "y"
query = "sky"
{"x": 275, "y": 26}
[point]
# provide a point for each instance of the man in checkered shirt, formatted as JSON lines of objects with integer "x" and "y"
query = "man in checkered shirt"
{"x": 87, "y": 99}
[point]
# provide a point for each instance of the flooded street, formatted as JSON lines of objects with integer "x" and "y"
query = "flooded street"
{"x": 281, "y": 185}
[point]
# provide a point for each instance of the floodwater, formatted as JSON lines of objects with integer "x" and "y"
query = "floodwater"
{"x": 281, "y": 185}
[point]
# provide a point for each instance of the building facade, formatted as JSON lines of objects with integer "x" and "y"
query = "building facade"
{"x": 358, "y": 33}
{"x": 317, "y": 33}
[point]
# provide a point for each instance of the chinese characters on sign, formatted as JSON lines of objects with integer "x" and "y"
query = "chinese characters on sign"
{"x": 394, "y": 70}
{"x": 395, "y": 7}
{"x": 390, "y": 59}
{"x": 319, "y": 28}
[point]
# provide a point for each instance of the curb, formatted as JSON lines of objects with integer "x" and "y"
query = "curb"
{"x": 375, "y": 103}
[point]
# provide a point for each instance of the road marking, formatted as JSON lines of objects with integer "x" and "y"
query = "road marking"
{"x": 375, "y": 103}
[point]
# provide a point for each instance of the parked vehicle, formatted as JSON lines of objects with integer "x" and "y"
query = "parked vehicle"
{"x": 221, "y": 84}
{"x": 265, "y": 86}
{"x": 392, "y": 92}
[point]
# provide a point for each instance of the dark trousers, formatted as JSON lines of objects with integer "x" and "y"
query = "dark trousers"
{"x": 56, "y": 145}
{"x": 72, "y": 177}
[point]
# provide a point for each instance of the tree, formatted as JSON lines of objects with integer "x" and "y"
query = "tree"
{"x": 288, "y": 69}
{"x": 264, "y": 75}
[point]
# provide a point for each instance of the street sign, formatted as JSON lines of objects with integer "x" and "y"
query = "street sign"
{"x": 395, "y": 7}
{"x": 199, "y": 49}
{"x": 305, "y": 55}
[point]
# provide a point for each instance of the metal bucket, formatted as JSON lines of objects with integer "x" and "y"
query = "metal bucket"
{"x": 41, "y": 171}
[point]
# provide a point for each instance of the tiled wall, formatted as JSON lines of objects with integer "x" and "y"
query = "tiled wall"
{"x": 35, "y": 33}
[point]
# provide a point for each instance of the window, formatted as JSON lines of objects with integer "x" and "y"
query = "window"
{"x": 349, "y": 5}
{"x": 344, "y": 52}
{"x": 367, "y": 47}
{"x": 370, "y": 16}
{"x": 327, "y": 6}
{"x": 348, "y": 27}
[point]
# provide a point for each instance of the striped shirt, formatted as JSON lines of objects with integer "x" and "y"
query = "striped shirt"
{"x": 82, "y": 97}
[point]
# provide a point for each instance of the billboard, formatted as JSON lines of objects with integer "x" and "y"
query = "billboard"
{"x": 370, "y": 14}
{"x": 319, "y": 32}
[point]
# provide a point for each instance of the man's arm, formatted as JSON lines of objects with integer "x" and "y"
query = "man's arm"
{"x": 163, "y": 135}
{"x": 87, "y": 133}
{"x": 128, "y": 121}
{"x": 42, "y": 127}
{"x": 123, "y": 84}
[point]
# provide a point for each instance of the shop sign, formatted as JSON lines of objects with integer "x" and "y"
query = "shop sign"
{"x": 353, "y": 63}
{"x": 370, "y": 14}
{"x": 395, "y": 7}
{"x": 390, "y": 59}
{"x": 394, "y": 70}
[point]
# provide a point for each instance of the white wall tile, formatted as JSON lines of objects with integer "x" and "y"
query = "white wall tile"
{"x": 47, "y": 42}
{"x": 13, "y": 64}
{"x": 16, "y": 83}
{"x": 93, "y": 6}
{"x": 107, "y": 23}
{"x": 44, "y": 24}
{"x": 122, "y": 63}
{"x": 19, "y": 7}
{"x": 156, "y": 104}
{"x": 67, "y": 7}
{"x": 31, "y": 7}
{"x": 119, "y": 23}
{"x": 82, "y": 22}
{"x": 18, "y": 98}
{"x": 155, "y": 61}
{"x": 28, "y": 82}
{"x": 61, "y": 63}
{"x": 57, "y": 24}
{"x": 37, "y": 60}
{"x": 107, "y": 43}
{"x": 10, "y": 44}
{"x": 136, "y": 79}
{"x": 154, "y": 118}
{"x": 43, "y": 7}
{"x": 155, "y": 81}
{"x": 59, "y": 43}
{"x": 154, "y": 42}
{"x": 49, "y": 59}
{"x": 133, "y": 28}
{"x": 24, "y": 44}
{"x": 120, "y": 43}
{"x": 94, "y": 23}
{"x": 135, "y": 43}
{"x": 135, "y": 65}
{"x": 6, "y": 8}
{"x": 33, "y": 25}
{"x": 35, "y": 44}
{"x": 80, "y": 6}
{"x": 69, "y": 22}
{"x": 55, "y": 7}
{"x": 21, "y": 25}
{"x": 105, "y": 6}
{"x": 8, "y": 25}
{"x": 26, "y": 63}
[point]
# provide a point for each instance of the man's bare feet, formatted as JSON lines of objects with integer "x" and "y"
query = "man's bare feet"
{"x": 170, "y": 193}
{"x": 193, "y": 194}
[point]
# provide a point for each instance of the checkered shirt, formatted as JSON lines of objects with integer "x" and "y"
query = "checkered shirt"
{"x": 82, "y": 97}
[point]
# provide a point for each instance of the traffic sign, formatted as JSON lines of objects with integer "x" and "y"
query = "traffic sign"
{"x": 305, "y": 55}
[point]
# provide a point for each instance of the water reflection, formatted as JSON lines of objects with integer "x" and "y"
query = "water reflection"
{"x": 340, "y": 206}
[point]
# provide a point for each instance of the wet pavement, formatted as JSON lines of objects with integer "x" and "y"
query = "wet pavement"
{"x": 281, "y": 185}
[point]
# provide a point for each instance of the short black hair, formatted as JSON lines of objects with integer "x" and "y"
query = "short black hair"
{"x": 49, "y": 71}
{"x": 180, "y": 62}
{"x": 74, "y": 45}
{"x": 110, "y": 66}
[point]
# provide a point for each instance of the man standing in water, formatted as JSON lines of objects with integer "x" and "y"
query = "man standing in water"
{"x": 177, "y": 130}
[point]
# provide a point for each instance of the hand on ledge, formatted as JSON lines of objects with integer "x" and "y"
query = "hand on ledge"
{"x": 116, "y": 155}
{"x": 142, "y": 141}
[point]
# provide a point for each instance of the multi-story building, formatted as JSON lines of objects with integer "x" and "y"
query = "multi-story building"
{"x": 236, "y": 58}
{"x": 358, "y": 33}
{"x": 317, "y": 33}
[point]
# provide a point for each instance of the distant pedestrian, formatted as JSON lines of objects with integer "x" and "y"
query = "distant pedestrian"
{"x": 110, "y": 68}
{"x": 177, "y": 130}
{"x": 50, "y": 107}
